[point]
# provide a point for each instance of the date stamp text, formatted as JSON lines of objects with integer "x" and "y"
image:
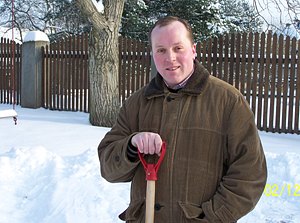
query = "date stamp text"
{"x": 284, "y": 189}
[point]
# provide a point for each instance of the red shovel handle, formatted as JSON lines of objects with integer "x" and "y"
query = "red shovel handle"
{"x": 150, "y": 168}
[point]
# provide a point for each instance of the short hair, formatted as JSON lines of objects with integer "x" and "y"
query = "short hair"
{"x": 164, "y": 21}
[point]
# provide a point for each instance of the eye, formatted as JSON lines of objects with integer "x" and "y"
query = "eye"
{"x": 160, "y": 50}
{"x": 178, "y": 48}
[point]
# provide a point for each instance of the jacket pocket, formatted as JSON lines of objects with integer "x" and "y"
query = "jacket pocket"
{"x": 192, "y": 213}
{"x": 134, "y": 212}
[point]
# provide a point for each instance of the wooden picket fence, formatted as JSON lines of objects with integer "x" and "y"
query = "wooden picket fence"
{"x": 10, "y": 70}
{"x": 134, "y": 66}
{"x": 66, "y": 81}
{"x": 263, "y": 66}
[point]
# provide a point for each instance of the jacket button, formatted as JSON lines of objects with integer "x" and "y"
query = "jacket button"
{"x": 117, "y": 158}
{"x": 169, "y": 99}
{"x": 157, "y": 207}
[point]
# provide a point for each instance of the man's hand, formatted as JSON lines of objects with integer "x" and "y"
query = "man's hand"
{"x": 147, "y": 142}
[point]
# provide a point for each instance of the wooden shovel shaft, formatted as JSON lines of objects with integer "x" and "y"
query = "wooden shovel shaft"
{"x": 151, "y": 176}
{"x": 150, "y": 199}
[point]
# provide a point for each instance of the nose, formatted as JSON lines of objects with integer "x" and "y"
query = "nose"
{"x": 170, "y": 56}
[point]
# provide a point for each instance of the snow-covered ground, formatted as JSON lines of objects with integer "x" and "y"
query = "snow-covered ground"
{"x": 49, "y": 172}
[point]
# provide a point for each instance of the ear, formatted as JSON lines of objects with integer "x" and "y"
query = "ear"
{"x": 194, "y": 50}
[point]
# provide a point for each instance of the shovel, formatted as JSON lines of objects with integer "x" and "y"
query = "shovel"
{"x": 151, "y": 176}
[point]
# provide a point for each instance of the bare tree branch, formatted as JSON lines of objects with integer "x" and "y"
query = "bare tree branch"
{"x": 89, "y": 9}
{"x": 279, "y": 15}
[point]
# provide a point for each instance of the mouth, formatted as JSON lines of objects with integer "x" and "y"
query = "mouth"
{"x": 172, "y": 68}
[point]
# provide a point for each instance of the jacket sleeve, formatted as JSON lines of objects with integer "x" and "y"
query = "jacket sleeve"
{"x": 245, "y": 178}
{"x": 112, "y": 150}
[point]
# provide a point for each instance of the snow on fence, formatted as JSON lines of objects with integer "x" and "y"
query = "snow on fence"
{"x": 263, "y": 66}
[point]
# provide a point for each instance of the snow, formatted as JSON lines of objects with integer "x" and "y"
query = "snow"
{"x": 49, "y": 172}
{"x": 99, "y": 5}
{"x": 8, "y": 113}
{"x": 36, "y": 36}
{"x": 6, "y": 32}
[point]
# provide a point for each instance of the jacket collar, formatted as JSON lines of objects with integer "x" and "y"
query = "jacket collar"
{"x": 194, "y": 85}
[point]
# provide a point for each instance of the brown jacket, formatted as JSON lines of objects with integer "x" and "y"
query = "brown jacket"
{"x": 214, "y": 168}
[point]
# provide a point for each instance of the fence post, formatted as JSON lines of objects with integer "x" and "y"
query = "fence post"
{"x": 31, "y": 74}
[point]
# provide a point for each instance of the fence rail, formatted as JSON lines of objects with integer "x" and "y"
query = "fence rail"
{"x": 263, "y": 66}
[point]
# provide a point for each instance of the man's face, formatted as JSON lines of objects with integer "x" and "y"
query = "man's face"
{"x": 173, "y": 52}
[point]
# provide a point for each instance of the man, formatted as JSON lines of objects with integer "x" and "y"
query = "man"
{"x": 214, "y": 169}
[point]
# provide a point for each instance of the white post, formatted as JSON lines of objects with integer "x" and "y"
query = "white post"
{"x": 31, "y": 75}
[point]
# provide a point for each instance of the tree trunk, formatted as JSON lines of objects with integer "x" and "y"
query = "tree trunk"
{"x": 103, "y": 60}
{"x": 104, "y": 76}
